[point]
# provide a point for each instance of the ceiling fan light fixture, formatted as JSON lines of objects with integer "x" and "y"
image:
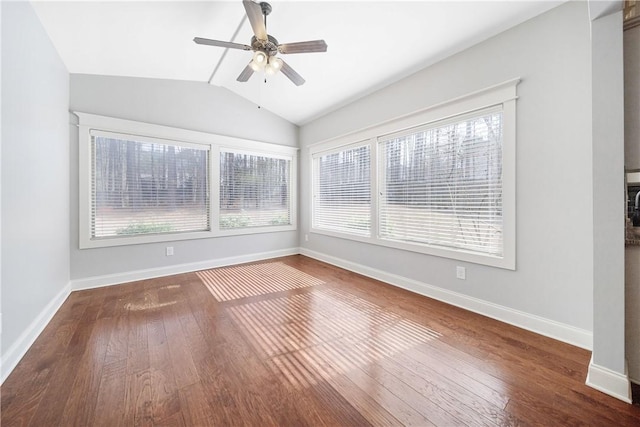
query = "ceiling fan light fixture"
{"x": 259, "y": 59}
{"x": 273, "y": 66}
{"x": 254, "y": 66}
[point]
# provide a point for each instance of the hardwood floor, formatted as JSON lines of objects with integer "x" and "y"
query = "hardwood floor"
{"x": 293, "y": 342}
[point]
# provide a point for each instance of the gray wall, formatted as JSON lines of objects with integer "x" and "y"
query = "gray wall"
{"x": 181, "y": 104}
{"x": 35, "y": 171}
{"x": 554, "y": 275}
{"x": 632, "y": 98}
{"x": 632, "y": 161}
{"x": 608, "y": 192}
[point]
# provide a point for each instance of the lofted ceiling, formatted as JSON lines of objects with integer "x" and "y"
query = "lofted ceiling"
{"x": 370, "y": 43}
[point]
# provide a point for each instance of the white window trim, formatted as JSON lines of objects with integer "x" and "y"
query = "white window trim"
{"x": 153, "y": 132}
{"x": 503, "y": 94}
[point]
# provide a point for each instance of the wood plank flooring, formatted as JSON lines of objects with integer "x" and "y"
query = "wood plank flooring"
{"x": 293, "y": 342}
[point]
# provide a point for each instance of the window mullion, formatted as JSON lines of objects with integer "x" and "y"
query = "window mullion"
{"x": 375, "y": 188}
{"x": 214, "y": 178}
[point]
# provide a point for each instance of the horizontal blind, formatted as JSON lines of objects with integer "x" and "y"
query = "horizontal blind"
{"x": 342, "y": 191}
{"x": 144, "y": 187}
{"x": 442, "y": 185}
{"x": 254, "y": 190}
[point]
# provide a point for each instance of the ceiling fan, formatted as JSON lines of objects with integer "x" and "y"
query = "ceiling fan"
{"x": 266, "y": 47}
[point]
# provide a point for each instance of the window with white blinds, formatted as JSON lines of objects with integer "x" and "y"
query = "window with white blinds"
{"x": 441, "y": 185}
{"x": 342, "y": 190}
{"x": 147, "y": 183}
{"x": 254, "y": 190}
{"x": 440, "y": 181}
{"x": 142, "y": 186}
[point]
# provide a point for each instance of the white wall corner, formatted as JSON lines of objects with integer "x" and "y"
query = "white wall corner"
{"x": 600, "y": 8}
{"x": 610, "y": 382}
{"x": 550, "y": 328}
{"x": 19, "y": 348}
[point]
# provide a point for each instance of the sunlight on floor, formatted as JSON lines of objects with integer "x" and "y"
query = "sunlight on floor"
{"x": 317, "y": 335}
{"x": 230, "y": 283}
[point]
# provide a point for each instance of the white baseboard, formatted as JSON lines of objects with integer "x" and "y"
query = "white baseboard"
{"x": 19, "y": 348}
{"x": 560, "y": 331}
{"x": 132, "y": 276}
{"x": 610, "y": 382}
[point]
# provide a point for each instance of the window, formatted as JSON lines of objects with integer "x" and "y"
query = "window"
{"x": 342, "y": 191}
{"x": 147, "y": 187}
{"x": 144, "y": 183}
{"x": 440, "y": 181}
{"x": 254, "y": 190}
{"x": 442, "y": 185}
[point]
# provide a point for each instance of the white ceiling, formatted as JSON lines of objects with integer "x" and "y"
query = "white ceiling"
{"x": 370, "y": 44}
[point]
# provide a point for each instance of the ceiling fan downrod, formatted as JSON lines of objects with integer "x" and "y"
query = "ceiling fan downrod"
{"x": 266, "y": 10}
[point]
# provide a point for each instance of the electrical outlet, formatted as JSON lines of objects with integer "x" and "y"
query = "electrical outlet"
{"x": 306, "y": 237}
{"x": 169, "y": 250}
{"x": 461, "y": 273}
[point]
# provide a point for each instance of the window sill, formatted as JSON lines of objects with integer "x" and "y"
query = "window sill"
{"x": 507, "y": 263}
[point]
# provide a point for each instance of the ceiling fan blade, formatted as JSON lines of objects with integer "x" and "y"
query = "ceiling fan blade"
{"x": 246, "y": 73}
{"x": 291, "y": 74}
{"x": 303, "y": 47}
{"x": 220, "y": 43}
{"x": 254, "y": 13}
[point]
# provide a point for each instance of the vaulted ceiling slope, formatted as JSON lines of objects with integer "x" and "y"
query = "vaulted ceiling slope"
{"x": 370, "y": 43}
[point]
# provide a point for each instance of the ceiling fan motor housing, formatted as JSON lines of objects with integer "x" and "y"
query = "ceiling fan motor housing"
{"x": 270, "y": 47}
